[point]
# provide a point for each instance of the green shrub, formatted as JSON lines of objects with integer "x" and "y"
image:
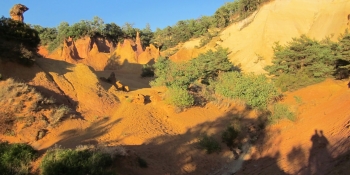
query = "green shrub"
{"x": 229, "y": 135}
{"x": 18, "y": 41}
{"x": 281, "y": 111}
{"x": 291, "y": 82}
{"x": 161, "y": 69}
{"x": 255, "y": 90}
{"x": 205, "y": 67}
{"x": 179, "y": 97}
{"x": 302, "y": 62}
{"x": 16, "y": 158}
{"x": 209, "y": 144}
{"x": 75, "y": 162}
{"x": 343, "y": 62}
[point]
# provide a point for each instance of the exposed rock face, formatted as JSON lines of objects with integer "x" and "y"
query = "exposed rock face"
{"x": 86, "y": 44}
{"x": 90, "y": 51}
{"x": 150, "y": 53}
{"x": 132, "y": 52}
{"x": 97, "y": 52}
{"x": 69, "y": 51}
{"x": 17, "y": 11}
{"x": 127, "y": 51}
{"x": 139, "y": 49}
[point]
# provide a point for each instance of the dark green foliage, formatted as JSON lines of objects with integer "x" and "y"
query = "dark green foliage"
{"x": 169, "y": 74}
{"x": 281, "y": 111}
{"x": 211, "y": 63}
{"x": 142, "y": 162}
{"x": 15, "y": 158}
{"x": 161, "y": 69}
{"x": 75, "y": 162}
{"x": 18, "y": 42}
{"x": 178, "y": 76}
{"x": 165, "y": 38}
{"x": 229, "y": 136}
{"x": 113, "y": 31}
{"x": 62, "y": 33}
{"x": 186, "y": 29}
{"x": 343, "y": 63}
{"x": 255, "y": 90}
{"x": 147, "y": 71}
{"x": 205, "y": 67}
{"x": 54, "y": 37}
{"x": 146, "y": 36}
{"x": 179, "y": 97}
{"x": 295, "y": 81}
{"x": 307, "y": 60}
{"x": 46, "y": 34}
{"x": 209, "y": 144}
{"x": 183, "y": 31}
{"x": 224, "y": 13}
{"x": 128, "y": 30}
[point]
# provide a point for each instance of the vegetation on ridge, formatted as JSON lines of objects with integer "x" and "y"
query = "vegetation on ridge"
{"x": 18, "y": 41}
{"x": 170, "y": 36}
{"x": 305, "y": 61}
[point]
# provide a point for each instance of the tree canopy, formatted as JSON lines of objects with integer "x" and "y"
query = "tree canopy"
{"x": 18, "y": 41}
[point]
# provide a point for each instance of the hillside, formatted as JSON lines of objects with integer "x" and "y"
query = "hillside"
{"x": 250, "y": 41}
{"x": 112, "y": 106}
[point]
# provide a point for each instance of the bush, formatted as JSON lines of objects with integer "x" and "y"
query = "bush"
{"x": 16, "y": 158}
{"x": 291, "y": 82}
{"x": 302, "y": 62}
{"x": 58, "y": 113}
{"x": 209, "y": 144}
{"x": 255, "y": 90}
{"x": 205, "y": 67}
{"x": 281, "y": 111}
{"x": 179, "y": 97}
{"x": 75, "y": 162}
{"x": 161, "y": 69}
{"x": 18, "y": 42}
{"x": 229, "y": 135}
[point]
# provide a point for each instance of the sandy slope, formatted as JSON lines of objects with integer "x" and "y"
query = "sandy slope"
{"x": 279, "y": 21}
{"x": 294, "y": 148}
{"x": 168, "y": 140}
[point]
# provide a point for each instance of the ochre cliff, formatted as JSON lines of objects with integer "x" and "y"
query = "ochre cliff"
{"x": 101, "y": 53}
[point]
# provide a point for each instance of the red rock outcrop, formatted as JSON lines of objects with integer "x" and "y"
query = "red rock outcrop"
{"x": 17, "y": 11}
{"x": 97, "y": 51}
{"x": 92, "y": 51}
{"x": 139, "y": 48}
{"x": 126, "y": 51}
{"x": 69, "y": 51}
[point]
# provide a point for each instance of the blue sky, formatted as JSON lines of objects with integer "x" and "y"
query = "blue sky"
{"x": 158, "y": 13}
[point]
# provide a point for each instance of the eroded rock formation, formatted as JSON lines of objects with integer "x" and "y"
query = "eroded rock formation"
{"x": 17, "y": 11}
{"x": 102, "y": 53}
